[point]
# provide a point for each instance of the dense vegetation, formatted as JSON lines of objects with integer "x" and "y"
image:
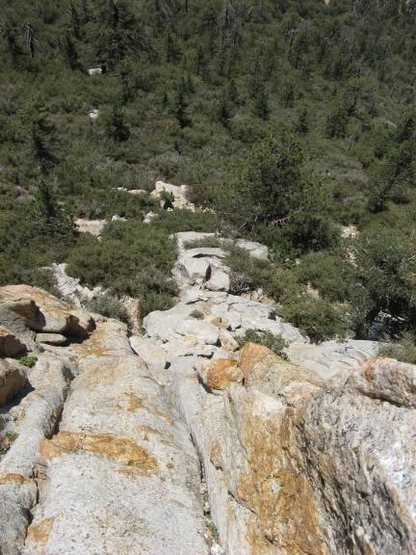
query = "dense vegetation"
{"x": 289, "y": 119}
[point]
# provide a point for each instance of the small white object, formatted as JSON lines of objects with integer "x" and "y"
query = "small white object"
{"x": 95, "y": 71}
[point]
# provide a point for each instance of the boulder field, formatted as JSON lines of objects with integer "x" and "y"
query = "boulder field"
{"x": 178, "y": 441}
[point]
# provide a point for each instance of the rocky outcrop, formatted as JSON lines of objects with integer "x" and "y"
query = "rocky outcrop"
{"x": 296, "y": 466}
{"x": 26, "y": 310}
{"x": 10, "y": 345}
{"x": 12, "y": 379}
{"x": 330, "y": 358}
{"x": 30, "y": 421}
{"x": 94, "y": 227}
{"x": 121, "y": 475}
{"x": 172, "y": 196}
{"x": 178, "y": 441}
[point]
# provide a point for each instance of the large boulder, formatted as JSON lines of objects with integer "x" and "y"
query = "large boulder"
{"x": 254, "y": 249}
{"x": 12, "y": 380}
{"x": 168, "y": 325}
{"x": 331, "y": 358}
{"x": 23, "y": 306}
{"x": 152, "y": 354}
{"x": 36, "y": 418}
{"x": 295, "y": 464}
{"x": 94, "y": 227}
{"x": 178, "y": 194}
{"x": 10, "y": 344}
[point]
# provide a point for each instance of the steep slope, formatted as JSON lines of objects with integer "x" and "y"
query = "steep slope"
{"x": 195, "y": 446}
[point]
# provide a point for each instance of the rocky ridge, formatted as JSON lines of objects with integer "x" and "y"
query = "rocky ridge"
{"x": 178, "y": 441}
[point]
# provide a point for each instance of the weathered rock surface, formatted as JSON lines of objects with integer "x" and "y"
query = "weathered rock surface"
{"x": 12, "y": 379}
{"x": 23, "y": 307}
{"x": 33, "y": 419}
{"x": 153, "y": 355}
{"x": 294, "y": 466}
{"x": 256, "y": 250}
{"x": 332, "y": 357}
{"x": 121, "y": 476}
{"x": 94, "y": 227}
{"x": 10, "y": 345}
{"x": 148, "y": 444}
{"x": 177, "y": 192}
{"x": 51, "y": 338}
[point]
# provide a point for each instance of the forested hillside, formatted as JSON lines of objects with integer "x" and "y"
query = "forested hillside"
{"x": 289, "y": 120}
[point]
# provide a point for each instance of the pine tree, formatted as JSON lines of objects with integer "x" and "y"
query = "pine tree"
{"x": 75, "y": 22}
{"x": 302, "y": 126}
{"x": 42, "y": 139}
{"x": 117, "y": 127}
{"x": 71, "y": 53}
{"x": 181, "y": 109}
{"x": 224, "y": 112}
{"x": 261, "y": 104}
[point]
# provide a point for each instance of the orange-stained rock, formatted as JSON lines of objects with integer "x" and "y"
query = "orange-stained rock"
{"x": 118, "y": 449}
{"x": 39, "y": 533}
{"x": 251, "y": 354}
{"x": 17, "y": 479}
{"x": 222, "y": 373}
{"x": 287, "y": 515}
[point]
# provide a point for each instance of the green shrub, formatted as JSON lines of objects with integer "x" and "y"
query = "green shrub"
{"x": 197, "y": 314}
{"x": 273, "y": 342}
{"x": 28, "y": 360}
{"x": 131, "y": 259}
{"x": 332, "y": 275}
{"x": 248, "y": 274}
{"x": 403, "y": 350}
{"x": 317, "y": 318}
{"x": 109, "y": 306}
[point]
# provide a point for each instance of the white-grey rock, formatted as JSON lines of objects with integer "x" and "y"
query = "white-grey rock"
{"x": 95, "y": 71}
{"x": 12, "y": 379}
{"x": 256, "y": 250}
{"x": 51, "y": 338}
{"x": 153, "y": 355}
{"x": 137, "y": 192}
{"x": 188, "y": 345}
{"x": 167, "y": 326}
{"x": 94, "y": 227}
{"x": 228, "y": 342}
{"x": 218, "y": 281}
{"x": 206, "y": 252}
{"x": 36, "y": 418}
{"x": 150, "y": 217}
{"x": 191, "y": 271}
{"x": 122, "y": 475}
{"x": 178, "y": 192}
{"x": 331, "y": 357}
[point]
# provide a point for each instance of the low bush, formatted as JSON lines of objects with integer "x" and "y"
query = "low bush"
{"x": 28, "y": 360}
{"x": 109, "y": 306}
{"x": 332, "y": 275}
{"x": 131, "y": 259}
{"x": 403, "y": 350}
{"x": 273, "y": 342}
{"x": 317, "y": 318}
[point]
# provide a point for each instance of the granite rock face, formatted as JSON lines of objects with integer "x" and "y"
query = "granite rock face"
{"x": 25, "y": 309}
{"x": 294, "y": 465}
{"x": 10, "y": 345}
{"x": 12, "y": 379}
{"x": 180, "y": 441}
